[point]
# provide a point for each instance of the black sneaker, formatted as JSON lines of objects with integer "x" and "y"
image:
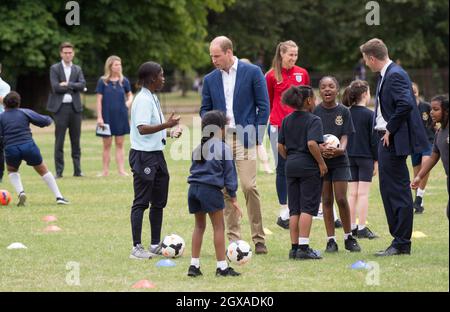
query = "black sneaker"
{"x": 283, "y": 223}
{"x": 365, "y": 233}
{"x": 307, "y": 254}
{"x": 194, "y": 271}
{"x": 351, "y": 244}
{"x": 355, "y": 232}
{"x": 292, "y": 254}
{"x": 227, "y": 272}
{"x": 337, "y": 224}
{"x": 418, "y": 205}
{"x": 332, "y": 246}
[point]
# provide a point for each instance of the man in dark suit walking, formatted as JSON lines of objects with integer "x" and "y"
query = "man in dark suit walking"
{"x": 67, "y": 81}
{"x": 398, "y": 124}
{"x": 239, "y": 90}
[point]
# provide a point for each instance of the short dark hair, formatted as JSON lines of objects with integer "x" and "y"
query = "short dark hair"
{"x": 336, "y": 82}
{"x": 375, "y": 47}
{"x": 443, "y": 100}
{"x": 148, "y": 72}
{"x": 295, "y": 97}
{"x": 12, "y": 100}
{"x": 65, "y": 44}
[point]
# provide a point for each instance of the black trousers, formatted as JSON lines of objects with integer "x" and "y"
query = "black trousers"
{"x": 396, "y": 194}
{"x": 151, "y": 186}
{"x": 67, "y": 118}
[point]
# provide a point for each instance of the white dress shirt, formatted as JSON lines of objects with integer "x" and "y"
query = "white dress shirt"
{"x": 229, "y": 81}
{"x": 67, "y": 71}
{"x": 380, "y": 124}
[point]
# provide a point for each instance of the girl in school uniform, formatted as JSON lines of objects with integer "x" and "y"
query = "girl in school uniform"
{"x": 362, "y": 153}
{"x": 212, "y": 170}
{"x": 336, "y": 120}
{"x": 150, "y": 175}
{"x": 298, "y": 143}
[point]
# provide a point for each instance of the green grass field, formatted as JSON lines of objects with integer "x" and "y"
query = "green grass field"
{"x": 96, "y": 234}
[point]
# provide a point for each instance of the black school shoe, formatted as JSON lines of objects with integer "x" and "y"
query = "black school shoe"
{"x": 307, "y": 254}
{"x": 331, "y": 246}
{"x": 365, "y": 233}
{"x": 351, "y": 244}
{"x": 283, "y": 223}
{"x": 292, "y": 254}
{"x": 418, "y": 207}
{"x": 227, "y": 272}
{"x": 194, "y": 271}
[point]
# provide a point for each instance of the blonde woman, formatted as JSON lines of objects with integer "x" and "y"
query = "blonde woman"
{"x": 283, "y": 74}
{"x": 114, "y": 99}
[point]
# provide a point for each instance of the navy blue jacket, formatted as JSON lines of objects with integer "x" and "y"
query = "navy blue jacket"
{"x": 250, "y": 100}
{"x": 15, "y": 125}
{"x": 399, "y": 109}
{"x": 218, "y": 169}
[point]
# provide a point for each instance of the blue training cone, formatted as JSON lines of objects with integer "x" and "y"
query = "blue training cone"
{"x": 360, "y": 265}
{"x": 165, "y": 263}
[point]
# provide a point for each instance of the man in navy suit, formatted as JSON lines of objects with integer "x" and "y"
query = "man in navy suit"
{"x": 67, "y": 82}
{"x": 397, "y": 121}
{"x": 239, "y": 90}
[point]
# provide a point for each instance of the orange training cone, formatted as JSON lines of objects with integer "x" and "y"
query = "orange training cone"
{"x": 52, "y": 228}
{"x": 143, "y": 284}
{"x": 49, "y": 218}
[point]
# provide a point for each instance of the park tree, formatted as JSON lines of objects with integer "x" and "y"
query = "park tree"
{"x": 167, "y": 31}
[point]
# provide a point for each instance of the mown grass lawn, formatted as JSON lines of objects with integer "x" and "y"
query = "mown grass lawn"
{"x": 96, "y": 234}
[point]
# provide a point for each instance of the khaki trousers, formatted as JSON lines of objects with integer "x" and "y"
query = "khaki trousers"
{"x": 246, "y": 165}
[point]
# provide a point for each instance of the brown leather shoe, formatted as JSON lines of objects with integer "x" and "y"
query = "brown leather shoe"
{"x": 260, "y": 249}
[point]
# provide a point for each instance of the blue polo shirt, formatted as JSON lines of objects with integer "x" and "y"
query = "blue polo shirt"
{"x": 146, "y": 110}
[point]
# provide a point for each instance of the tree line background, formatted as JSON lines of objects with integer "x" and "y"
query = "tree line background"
{"x": 176, "y": 33}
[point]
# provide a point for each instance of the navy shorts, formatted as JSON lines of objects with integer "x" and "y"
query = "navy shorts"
{"x": 304, "y": 194}
{"x": 338, "y": 174}
{"x": 361, "y": 169}
{"x": 416, "y": 158}
{"x": 205, "y": 198}
{"x": 28, "y": 151}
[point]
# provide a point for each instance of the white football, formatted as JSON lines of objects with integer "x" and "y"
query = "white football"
{"x": 332, "y": 140}
{"x": 239, "y": 252}
{"x": 172, "y": 246}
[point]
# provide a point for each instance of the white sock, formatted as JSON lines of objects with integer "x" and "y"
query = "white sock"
{"x": 303, "y": 240}
{"x": 346, "y": 235}
{"x": 195, "y": 262}
{"x": 331, "y": 238}
{"x": 361, "y": 227}
{"x": 51, "y": 183}
{"x": 284, "y": 212}
{"x": 222, "y": 264}
{"x": 420, "y": 192}
{"x": 354, "y": 226}
{"x": 14, "y": 178}
{"x": 335, "y": 214}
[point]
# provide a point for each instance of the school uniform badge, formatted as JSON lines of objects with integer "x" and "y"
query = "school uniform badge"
{"x": 339, "y": 121}
{"x": 425, "y": 116}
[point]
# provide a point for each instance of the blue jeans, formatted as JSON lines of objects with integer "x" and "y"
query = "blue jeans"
{"x": 280, "y": 164}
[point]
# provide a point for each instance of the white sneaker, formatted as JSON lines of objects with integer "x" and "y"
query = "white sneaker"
{"x": 22, "y": 199}
{"x": 62, "y": 201}
{"x": 156, "y": 251}
{"x": 138, "y": 252}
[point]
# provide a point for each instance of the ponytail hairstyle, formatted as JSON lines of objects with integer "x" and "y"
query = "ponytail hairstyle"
{"x": 282, "y": 47}
{"x": 443, "y": 100}
{"x": 354, "y": 92}
{"x": 212, "y": 122}
{"x": 295, "y": 97}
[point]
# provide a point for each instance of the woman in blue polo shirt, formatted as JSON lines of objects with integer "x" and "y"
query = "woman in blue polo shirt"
{"x": 150, "y": 174}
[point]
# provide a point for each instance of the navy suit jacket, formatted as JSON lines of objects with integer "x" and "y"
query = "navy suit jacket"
{"x": 399, "y": 109}
{"x": 250, "y": 100}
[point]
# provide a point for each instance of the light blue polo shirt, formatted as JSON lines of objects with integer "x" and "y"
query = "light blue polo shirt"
{"x": 4, "y": 90}
{"x": 146, "y": 110}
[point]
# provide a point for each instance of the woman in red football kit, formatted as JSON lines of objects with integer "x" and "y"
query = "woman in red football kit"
{"x": 283, "y": 74}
